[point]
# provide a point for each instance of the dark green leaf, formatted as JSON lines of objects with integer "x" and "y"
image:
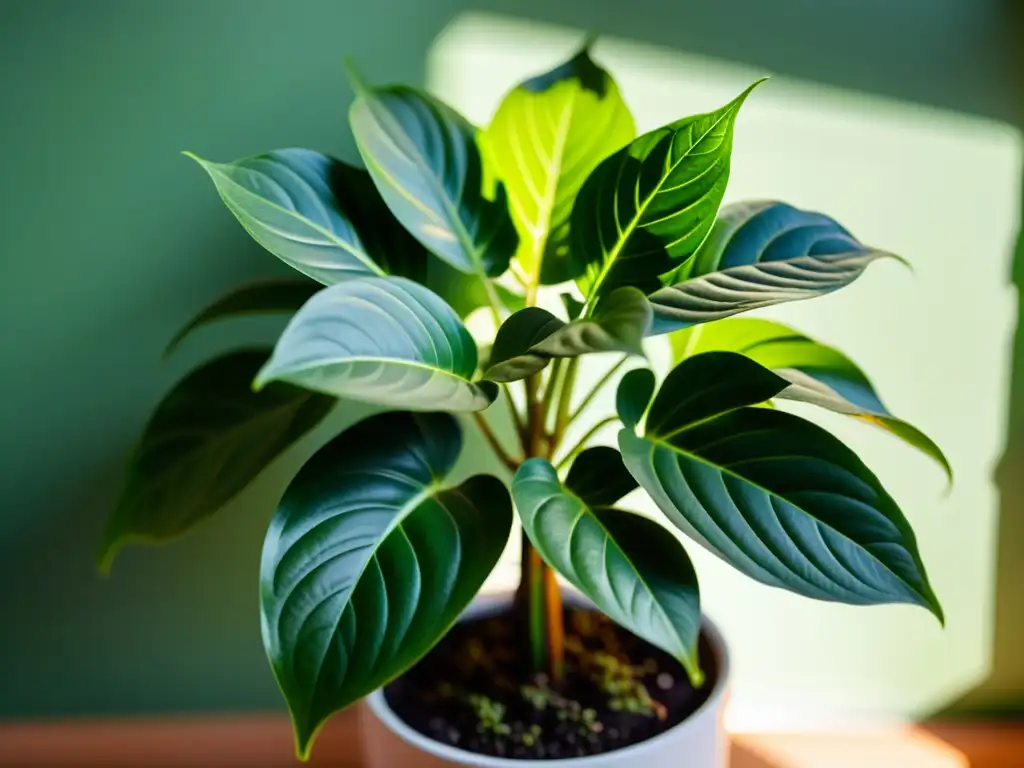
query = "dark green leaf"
{"x": 649, "y": 206}
{"x": 775, "y": 496}
{"x": 423, "y": 158}
{"x": 573, "y": 308}
{"x": 268, "y": 297}
{"x": 382, "y": 340}
{"x": 548, "y": 134}
{"x": 532, "y": 337}
{"x": 817, "y": 373}
{"x": 757, "y": 255}
{"x": 286, "y": 201}
{"x": 633, "y": 569}
{"x": 634, "y": 396}
{"x": 599, "y": 477}
{"x": 207, "y": 440}
{"x": 369, "y": 561}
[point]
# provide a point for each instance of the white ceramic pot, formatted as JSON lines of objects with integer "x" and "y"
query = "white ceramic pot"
{"x": 697, "y": 742}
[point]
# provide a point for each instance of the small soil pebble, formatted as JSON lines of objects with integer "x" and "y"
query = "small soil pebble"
{"x": 476, "y": 690}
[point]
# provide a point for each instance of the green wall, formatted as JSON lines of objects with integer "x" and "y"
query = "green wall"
{"x": 109, "y": 240}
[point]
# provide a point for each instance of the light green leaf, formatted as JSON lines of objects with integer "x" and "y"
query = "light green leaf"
{"x": 548, "y": 134}
{"x": 267, "y": 297}
{"x": 634, "y": 395}
{"x": 649, "y": 206}
{"x": 817, "y": 373}
{"x": 757, "y": 255}
{"x": 369, "y": 560}
{"x": 424, "y": 159}
{"x": 532, "y": 337}
{"x": 773, "y": 495}
{"x": 208, "y": 439}
{"x": 633, "y": 569}
{"x": 381, "y": 340}
{"x": 285, "y": 199}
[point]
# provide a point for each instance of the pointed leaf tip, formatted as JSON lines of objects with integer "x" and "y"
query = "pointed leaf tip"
{"x": 359, "y": 85}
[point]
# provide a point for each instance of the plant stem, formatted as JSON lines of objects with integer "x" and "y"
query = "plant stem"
{"x": 493, "y": 300}
{"x": 583, "y": 440}
{"x": 533, "y": 573}
{"x": 492, "y": 440}
{"x": 555, "y": 628}
{"x": 564, "y": 401}
{"x": 517, "y": 420}
{"x": 597, "y": 388}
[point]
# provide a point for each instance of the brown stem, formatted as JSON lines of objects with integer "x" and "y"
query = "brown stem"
{"x": 555, "y": 627}
{"x": 492, "y": 440}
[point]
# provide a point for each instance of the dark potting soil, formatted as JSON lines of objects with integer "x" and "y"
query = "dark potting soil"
{"x": 476, "y": 691}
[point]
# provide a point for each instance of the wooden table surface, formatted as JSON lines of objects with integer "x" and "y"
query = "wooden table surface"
{"x": 265, "y": 741}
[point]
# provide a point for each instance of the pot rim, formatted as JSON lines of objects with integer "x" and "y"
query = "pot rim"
{"x": 485, "y": 603}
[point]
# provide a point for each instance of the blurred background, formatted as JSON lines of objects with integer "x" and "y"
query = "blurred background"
{"x": 899, "y": 117}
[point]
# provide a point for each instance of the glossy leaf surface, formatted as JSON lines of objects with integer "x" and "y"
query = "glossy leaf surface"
{"x": 286, "y": 201}
{"x": 369, "y": 561}
{"x": 424, "y": 159}
{"x": 268, "y": 297}
{"x": 208, "y": 439}
{"x": 817, "y": 373}
{"x": 649, "y": 206}
{"x": 633, "y": 397}
{"x": 772, "y": 494}
{"x": 531, "y": 338}
{"x": 757, "y": 255}
{"x": 381, "y": 340}
{"x": 548, "y": 134}
{"x": 599, "y": 477}
{"x": 633, "y": 569}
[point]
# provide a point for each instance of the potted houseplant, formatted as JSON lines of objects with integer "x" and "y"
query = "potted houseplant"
{"x": 373, "y": 554}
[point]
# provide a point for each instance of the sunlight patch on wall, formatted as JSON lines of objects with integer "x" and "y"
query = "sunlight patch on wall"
{"x": 941, "y": 189}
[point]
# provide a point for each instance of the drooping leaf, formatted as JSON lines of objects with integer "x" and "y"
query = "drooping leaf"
{"x": 548, "y": 134}
{"x": 208, "y": 439}
{"x": 369, "y": 561}
{"x": 757, "y": 255}
{"x": 285, "y": 199}
{"x": 599, "y": 477}
{"x": 633, "y": 569}
{"x": 777, "y": 497}
{"x": 381, "y": 340}
{"x": 634, "y": 395}
{"x": 424, "y": 159}
{"x": 817, "y": 373}
{"x": 649, "y": 206}
{"x": 267, "y": 297}
{"x": 532, "y": 337}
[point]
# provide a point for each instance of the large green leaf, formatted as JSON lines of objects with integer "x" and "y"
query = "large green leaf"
{"x": 267, "y": 297}
{"x": 532, "y": 337}
{"x": 207, "y": 440}
{"x": 369, "y": 560}
{"x": 649, "y": 206}
{"x": 286, "y": 200}
{"x": 757, "y": 255}
{"x": 772, "y": 494}
{"x": 817, "y": 373}
{"x": 599, "y": 477}
{"x": 633, "y": 569}
{"x": 424, "y": 159}
{"x": 382, "y": 340}
{"x": 548, "y": 134}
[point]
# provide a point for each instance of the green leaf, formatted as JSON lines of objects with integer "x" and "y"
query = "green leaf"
{"x": 599, "y": 477}
{"x": 633, "y": 569}
{"x": 548, "y": 134}
{"x": 772, "y": 494}
{"x": 649, "y": 206}
{"x": 267, "y": 297}
{"x": 208, "y": 439}
{"x": 286, "y": 200}
{"x": 757, "y": 255}
{"x": 817, "y": 373}
{"x": 424, "y": 159}
{"x": 381, "y": 340}
{"x": 391, "y": 246}
{"x": 532, "y": 337}
{"x": 634, "y": 395}
{"x": 369, "y": 560}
